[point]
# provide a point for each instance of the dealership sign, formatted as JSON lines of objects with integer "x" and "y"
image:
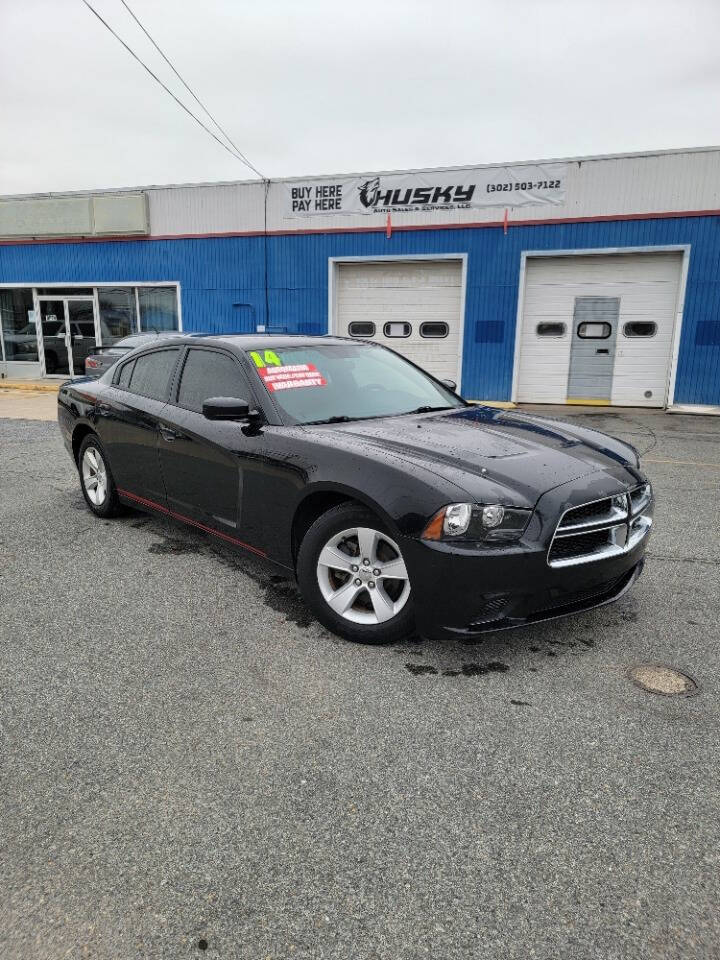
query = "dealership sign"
{"x": 457, "y": 189}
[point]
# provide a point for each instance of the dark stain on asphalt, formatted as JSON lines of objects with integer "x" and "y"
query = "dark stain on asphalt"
{"x": 417, "y": 669}
{"x": 520, "y": 703}
{"x": 480, "y": 669}
{"x": 466, "y": 669}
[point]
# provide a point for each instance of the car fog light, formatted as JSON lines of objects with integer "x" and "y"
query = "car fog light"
{"x": 457, "y": 518}
{"x": 492, "y": 516}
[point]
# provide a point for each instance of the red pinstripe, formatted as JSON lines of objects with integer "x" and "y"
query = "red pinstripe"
{"x": 193, "y": 523}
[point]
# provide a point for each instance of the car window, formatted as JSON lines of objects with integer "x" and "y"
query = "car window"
{"x": 151, "y": 374}
{"x": 125, "y": 374}
{"x": 207, "y": 373}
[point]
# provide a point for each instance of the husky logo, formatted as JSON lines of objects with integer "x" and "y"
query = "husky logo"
{"x": 369, "y": 192}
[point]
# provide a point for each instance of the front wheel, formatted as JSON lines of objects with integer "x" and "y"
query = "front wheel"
{"x": 353, "y": 576}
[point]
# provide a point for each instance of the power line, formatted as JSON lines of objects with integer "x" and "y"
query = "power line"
{"x": 179, "y": 102}
{"x": 192, "y": 93}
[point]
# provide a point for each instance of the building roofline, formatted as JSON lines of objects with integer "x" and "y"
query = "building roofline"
{"x": 380, "y": 173}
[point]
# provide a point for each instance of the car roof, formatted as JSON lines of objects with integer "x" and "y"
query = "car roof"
{"x": 254, "y": 341}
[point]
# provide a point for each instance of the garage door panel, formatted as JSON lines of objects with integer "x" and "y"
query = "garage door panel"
{"x": 406, "y": 292}
{"x": 647, "y": 286}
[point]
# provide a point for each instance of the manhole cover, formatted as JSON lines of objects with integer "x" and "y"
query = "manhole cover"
{"x": 659, "y": 678}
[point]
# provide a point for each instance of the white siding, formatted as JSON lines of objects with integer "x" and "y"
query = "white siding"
{"x": 673, "y": 181}
{"x": 647, "y": 285}
{"x": 411, "y": 291}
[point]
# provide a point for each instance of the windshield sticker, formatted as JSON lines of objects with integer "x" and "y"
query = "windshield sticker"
{"x": 268, "y": 359}
{"x": 291, "y": 377}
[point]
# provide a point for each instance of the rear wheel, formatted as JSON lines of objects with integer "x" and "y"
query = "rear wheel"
{"x": 96, "y": 479}
{"x": 353, "y": 577}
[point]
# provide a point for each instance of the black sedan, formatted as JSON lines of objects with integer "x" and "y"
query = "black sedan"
{"x": 398, "y": 506}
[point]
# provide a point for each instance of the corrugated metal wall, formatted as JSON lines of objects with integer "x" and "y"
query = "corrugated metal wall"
{"x": 222, "y": 281}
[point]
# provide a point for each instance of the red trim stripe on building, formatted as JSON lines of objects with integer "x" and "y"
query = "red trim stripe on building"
{"x": 478, "y": 225}
{"x": 193, "y": 523}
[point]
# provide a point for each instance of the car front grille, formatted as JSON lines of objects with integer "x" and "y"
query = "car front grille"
{"x": 602, "y": 528}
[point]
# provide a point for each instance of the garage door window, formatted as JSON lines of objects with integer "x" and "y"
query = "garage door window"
{"x": 640, "y": 328}
{"x": 435, "y": 330}
{"x": 361, "y": 328}
{"x": 397, "y": 329}
{"x": 551, "y": 329}
{"x": 594, "y": 331}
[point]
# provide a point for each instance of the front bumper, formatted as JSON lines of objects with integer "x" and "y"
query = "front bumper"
{"x": 463, "y": 590}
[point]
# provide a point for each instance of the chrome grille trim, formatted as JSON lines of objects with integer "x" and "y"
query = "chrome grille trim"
{"x": 624, "y": 525}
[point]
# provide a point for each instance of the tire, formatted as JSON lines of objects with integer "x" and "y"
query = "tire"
{"x": 358, "y": 601}
{"x": 101, "y": 495}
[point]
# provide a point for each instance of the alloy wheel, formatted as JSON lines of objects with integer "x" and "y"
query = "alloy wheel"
{"x": 94, "y": 476}
{"x": 362, "y": 576}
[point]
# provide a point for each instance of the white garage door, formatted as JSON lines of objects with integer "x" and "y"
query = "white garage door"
{"x": 411, "y": 306}
{"x": 598, "y": 328}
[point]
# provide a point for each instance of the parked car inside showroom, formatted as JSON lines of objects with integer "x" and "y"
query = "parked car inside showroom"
{"x": 399, "y": 506}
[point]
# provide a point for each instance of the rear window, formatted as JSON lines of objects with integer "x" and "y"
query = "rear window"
{"x": 125, "y": 374}
{"x": 151, "y": 374}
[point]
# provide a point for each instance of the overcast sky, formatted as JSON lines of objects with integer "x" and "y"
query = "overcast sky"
{"x": 326, "y": 86}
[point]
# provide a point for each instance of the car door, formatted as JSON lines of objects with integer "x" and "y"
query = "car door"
{"x": 129, "y": 413}
{"x": 205, "y": 463}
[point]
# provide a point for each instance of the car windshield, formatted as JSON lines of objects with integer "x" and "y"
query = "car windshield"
{"x": 328, "y": 382}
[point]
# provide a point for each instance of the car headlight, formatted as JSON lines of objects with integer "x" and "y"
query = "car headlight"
{"x": 476, "y": 521}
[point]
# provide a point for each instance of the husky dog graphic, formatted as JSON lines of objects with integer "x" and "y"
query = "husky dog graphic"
{"x": 369, "y": 192}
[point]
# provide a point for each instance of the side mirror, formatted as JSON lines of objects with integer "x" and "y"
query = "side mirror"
{"x": 227, "y": 408}
{"x": 450, "y": 384}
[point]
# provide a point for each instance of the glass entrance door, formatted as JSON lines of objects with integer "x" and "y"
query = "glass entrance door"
{"x": 67, "y": 327}
{"x": 53, "y": 329}
{"x": 81, "y": 326}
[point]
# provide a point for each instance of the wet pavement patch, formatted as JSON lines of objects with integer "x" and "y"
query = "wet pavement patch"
{"x": 466, "y": 669}
{"x": 662, "y": 679}
{"x": 417, "y": 669}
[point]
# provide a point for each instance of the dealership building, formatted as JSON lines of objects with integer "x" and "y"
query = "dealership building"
{"x": 588, "y": 280}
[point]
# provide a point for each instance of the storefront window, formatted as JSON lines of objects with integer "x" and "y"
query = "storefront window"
{"x": 158, "y": 308}
{"x": 117, "y": 313}
{"x": 17, "y": 325}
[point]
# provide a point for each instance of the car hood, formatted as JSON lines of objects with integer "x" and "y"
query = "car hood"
{"x": 495, "y": 454}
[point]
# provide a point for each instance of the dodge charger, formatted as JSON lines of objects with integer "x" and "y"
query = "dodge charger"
{"x": 397, "y": 505}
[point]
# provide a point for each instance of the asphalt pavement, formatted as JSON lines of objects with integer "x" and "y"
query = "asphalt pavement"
{"x": 191, "y": 766}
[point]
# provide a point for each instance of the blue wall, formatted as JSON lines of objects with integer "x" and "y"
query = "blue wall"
{"x": 222, "y": 281}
